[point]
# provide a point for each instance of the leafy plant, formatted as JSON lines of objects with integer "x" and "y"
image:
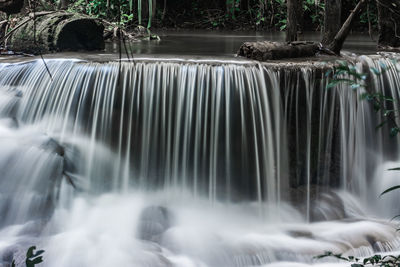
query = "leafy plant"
{"x": 370, "y": 15}
{"x": 281, "y": 15}
{"x": 125, "y": 19}
{"x": 232, "y": 7}
{"x": 32, "y": 258}
{"x": 345, "y": 72}
{"x": 315, "y": 9}
{"x": 376, "y": 260}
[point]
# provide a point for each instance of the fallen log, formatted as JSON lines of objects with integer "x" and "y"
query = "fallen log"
{"x": 267, "y": 50}
{"x": 11, "y": 6}
{"x": 59, "y": 31}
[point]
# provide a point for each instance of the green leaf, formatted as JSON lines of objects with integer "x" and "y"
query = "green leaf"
{"x": 390, "y": 189}
{"x": 394, "y": 131}
{"x": 380, "y": 125}
{"x": 387, "y": 113}
{"x": 332, "y": 84}
{"x": 328, "y": 73}
{"x": 355, "y": 86}
{"x": 29, "y": 253}
{"x": 383, "y": 65}
{"x": 37, "y": 260}
{"x": 375, "y": 71}
{"x": 394, "y": 169}
{"x": 38, "y": 253}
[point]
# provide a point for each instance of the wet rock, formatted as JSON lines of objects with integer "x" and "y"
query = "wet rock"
{"x": 68, "y": 166}
{"x": 325, "y": 204}
{"x": 18, "y": 93}
{"x": 10, "y": 122}
{"x": 153, "y": 222}
{"x": 301, "y": 234}
{"x": 54, "y": 146}
{"x": 329, "y": 206}
{"x": 141, "y": 32}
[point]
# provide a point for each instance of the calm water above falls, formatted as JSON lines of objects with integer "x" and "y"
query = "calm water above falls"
{"x": 184, "y": 43}
{"x": 191, "y": 163}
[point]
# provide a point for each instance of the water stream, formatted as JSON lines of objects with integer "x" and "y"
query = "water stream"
{"x": 178, "y": 162}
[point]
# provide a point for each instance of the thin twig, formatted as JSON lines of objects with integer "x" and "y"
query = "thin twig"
{"x": 35, "y": 42}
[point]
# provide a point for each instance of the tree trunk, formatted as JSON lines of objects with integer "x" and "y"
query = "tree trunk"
{"x": 291, "y": 23}
{"x": 389, "y": 24}
{"x": 344, "y": 31}
{"x": 11, "y": 6}
{"x": 154, "y": 9}
{"x": 164, "y": 12}
{"x": 300, "y": 16}
{"x": 58, "y": 31}
{"x": 332, "y": 22}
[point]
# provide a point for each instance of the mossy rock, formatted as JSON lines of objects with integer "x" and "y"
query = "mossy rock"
{"x": 59, "y": 31}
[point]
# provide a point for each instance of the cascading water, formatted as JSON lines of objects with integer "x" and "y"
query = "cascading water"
{"x": 189, "y": 163}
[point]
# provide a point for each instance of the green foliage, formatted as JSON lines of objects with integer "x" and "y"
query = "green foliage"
{"x": 281, "y": 15}
{"x": 315, "y": 9}
{"x": 260, "y": 18}
{"x": 370, "y": 15}
{"x": 32, "y": 258}
{"x": 376, "y": 260}
{"x": 210, "y": 13}
{"x": 391, "y": 189}
{"x": 117, "y": 11}
{"x": 126, "y": 19}
{"x": 233, "y": 7}
{"x": 346, "y": 73}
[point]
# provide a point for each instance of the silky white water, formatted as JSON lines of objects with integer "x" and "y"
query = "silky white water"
{"x": 189, "y": 163}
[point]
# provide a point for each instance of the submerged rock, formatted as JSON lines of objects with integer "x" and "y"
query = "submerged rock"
{"x": 325, "y": 204}
{"x": 329, "y": 206}
{"x": 153, "y": 222}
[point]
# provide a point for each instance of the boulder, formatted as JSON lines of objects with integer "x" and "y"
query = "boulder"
{"x": 153, "y": 222}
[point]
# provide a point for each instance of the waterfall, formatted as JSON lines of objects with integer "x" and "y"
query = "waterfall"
{"x": 214, "y": 134}
{"x": 204, "y": 128}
